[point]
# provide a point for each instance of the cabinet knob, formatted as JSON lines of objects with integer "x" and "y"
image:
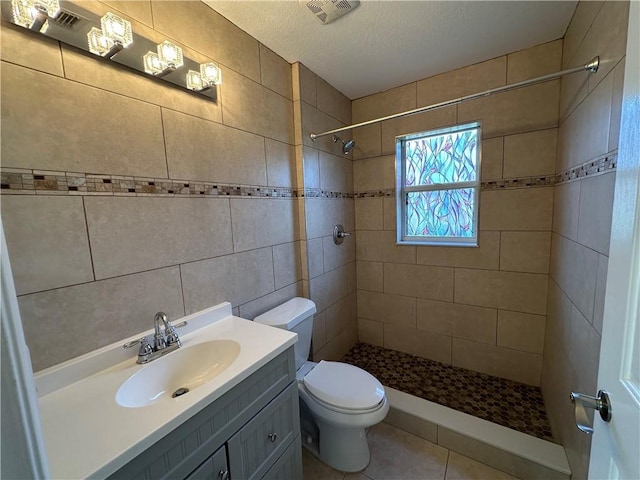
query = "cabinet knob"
{"x": 273, "y": 437}
{"x": 223, "y": 475}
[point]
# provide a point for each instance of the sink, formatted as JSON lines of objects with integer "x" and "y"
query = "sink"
{"x": 177, "y": 373}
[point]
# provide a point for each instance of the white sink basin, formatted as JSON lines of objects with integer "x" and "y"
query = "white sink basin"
{"x": 184, "y": 369}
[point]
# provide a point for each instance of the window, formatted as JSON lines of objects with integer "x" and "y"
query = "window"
{"x": 438, "y": 186}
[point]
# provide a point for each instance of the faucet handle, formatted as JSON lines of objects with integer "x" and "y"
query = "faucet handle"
{"x": 145, "y": 348}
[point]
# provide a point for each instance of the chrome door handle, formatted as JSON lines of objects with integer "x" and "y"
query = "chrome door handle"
{"x": 601, "y": 403}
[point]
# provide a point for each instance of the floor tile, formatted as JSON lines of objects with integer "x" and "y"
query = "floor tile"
{"x": 498, "y": 400}
{"x": 314, "y": 469}
{"x": 460, "y": 467}
{"x": 396, "y": 454}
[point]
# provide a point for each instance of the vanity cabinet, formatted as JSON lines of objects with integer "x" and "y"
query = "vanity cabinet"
{"x": 250, "y": 432}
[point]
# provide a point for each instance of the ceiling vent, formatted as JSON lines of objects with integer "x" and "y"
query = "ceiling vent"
{"x": 329, "y": 10}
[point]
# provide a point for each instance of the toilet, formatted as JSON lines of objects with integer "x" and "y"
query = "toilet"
{"x": 338, "y": 401}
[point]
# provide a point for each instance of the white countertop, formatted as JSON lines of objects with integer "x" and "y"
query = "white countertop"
{"x": 87, "y": 434}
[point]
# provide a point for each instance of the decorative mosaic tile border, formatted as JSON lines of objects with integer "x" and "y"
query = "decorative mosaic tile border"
{"x": 604, "y": 164}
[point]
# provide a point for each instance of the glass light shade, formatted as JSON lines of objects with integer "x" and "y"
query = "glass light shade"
{"x": 152, "y": 63}
{"x": 170, "y": 54}
{"x": 117, "y": 29}
{"x": 211, "y": 74}
{"x": 25, "y": 12}
{"x": 194, "y": 81}
{"x": 99, "y": 43}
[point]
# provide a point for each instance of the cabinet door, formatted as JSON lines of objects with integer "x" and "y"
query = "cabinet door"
{"x": 255, "y": 448}
{"x": 214, "y": 468}
{"x": 289, "y": 465}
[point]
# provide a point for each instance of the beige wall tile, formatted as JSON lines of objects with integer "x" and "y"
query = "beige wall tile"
{"x": 417, "y": 342}
{"x": 516, "y": 209}
{"x": 435, "y": 283}
{"x": 338, "y": 255}
{"x": 457, "y": 320}
{"x": 574, "y": 268}
{"x": 573, "y": 90}
{"x": 138, "y": 9}
{"x": 200, "y": 27}
{"x": 530, "y": 154}
{"x": 352, "y": 280}
{"x": 311, "y": 167}
{"x": 534, "y": 62}
{"x": 558, "y": 327}
{"x": 281, "y": 164}
{"x": 368, "y": 141}
{"x": 316, "y": 121}
{"x": 521, "y": 331}
{"x": 249, "y": 106}
{"x": 389, "y": 213}
{"x": 110, "y": 134}
{"x": 333, "y": 102}
{"x": 582, "y": 19}
{"x": 517, "y": 111}
{"x": 323, "y": 213}
{"x": 225, "y": 279}
{"x": 158, "y": 232}
{"x": 601, "y": 284}
{"x": 566, "y": 208}
{"x": 275, "y": 72}
{"x": 492, "y": 158}
{"x": 514, "y": 365}
{"x": 485, "y": 256}
{"x": 380, "y": 246}
{"x": 319, "y": 336}
{"x": 340, "y": 315}
{"x": 261, "y": 222}
{"x": 338, "y": 346}
{"x": 370, "y": 332}
{"x": 522, "y": 292}
{"x": 286, "y": 264}
{"x": 616, "y": 105}
{"x": 464, "y": 81}
{"x": 368, "y": 213}
{"x": 315, "y": 256}
{"x": 64, "y": 323}
{"x": 596, "y": 207}
{"x": 252, "y": 309}
{"x": 370, "y": 275}
{"x": 308, "y": 89}
{"x": 525, "y": 251}
{"x": 584, "y": 135}
{"x": 201, "y": 150}
{"x": 328, "y": 288}
{"x": 37, "y": 52}
{"x": 297, "y": 122}
{"x": 336, "y": 172}
{"x": 83, "y": 68}
{"x": 385, "y": 103}
{"x": 47, "y": 241}
{"x": 382, "y": 307}
{"x": 441, "y": 117}
{"x": 585, "y": 341}
{"x": 374, "y": 173}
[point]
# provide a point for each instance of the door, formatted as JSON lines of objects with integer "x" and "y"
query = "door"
{"x": 615, "y": 450}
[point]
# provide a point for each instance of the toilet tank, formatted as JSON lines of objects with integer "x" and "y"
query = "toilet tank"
{"x": 295, "y": 315}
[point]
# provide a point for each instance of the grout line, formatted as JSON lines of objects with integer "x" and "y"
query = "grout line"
{"x": 164, "y": 141}
{"x": 86, "y": 224}
{"x": 184, "y": 304}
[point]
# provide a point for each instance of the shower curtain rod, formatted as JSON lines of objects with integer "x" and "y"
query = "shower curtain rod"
{"x": 590, "y": 67}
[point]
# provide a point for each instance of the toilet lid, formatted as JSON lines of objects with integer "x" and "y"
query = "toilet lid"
{"x": 344, "y": 385}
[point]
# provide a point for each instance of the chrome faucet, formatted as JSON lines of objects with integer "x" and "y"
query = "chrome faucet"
{"x": 165, "y": 339}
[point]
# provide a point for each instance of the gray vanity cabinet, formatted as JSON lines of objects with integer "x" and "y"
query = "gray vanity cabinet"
{"x": 251, "y": 432}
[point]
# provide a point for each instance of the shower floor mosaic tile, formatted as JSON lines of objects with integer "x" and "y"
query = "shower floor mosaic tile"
{"x": 505, "y": 402}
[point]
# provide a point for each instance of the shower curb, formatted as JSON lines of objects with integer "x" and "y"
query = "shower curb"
{"x": 514, "y": 452}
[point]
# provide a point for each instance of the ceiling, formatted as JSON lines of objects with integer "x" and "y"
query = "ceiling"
{"x": 384, "y": 44}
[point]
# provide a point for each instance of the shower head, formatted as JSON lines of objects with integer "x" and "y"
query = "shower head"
{"x": 346, "y": 146}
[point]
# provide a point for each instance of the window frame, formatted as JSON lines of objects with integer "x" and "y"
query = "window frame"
{"x": 402, "y": 191}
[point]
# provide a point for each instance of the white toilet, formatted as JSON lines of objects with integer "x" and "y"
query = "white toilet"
{"x": 338, "y": 401}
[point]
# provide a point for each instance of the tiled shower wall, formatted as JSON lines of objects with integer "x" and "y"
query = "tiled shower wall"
{"x": 329, "y": 273}
{"x": 123, "y": 197}
{"x": 589, "y": 129}
{"x": 480, "y": 308}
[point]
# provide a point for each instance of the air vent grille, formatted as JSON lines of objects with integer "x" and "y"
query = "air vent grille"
{"x": 66, "y": 19}
{"x": 329, "y": 10}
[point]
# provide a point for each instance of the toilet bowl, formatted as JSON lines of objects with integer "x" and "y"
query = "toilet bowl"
{"x": 338, "y": 401}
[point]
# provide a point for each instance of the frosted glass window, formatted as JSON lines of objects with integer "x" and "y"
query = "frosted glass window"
{"x": 437, "y": 186}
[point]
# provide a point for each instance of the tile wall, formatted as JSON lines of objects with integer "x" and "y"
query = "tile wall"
{"x": 480, "y": 308}
{"x": 588, "y": 133}
{"x": 329, "y": 273}
{"x": 123, "y": 197}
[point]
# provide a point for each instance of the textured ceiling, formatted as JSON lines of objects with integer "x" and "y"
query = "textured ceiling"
{"x": 383, "y": 44}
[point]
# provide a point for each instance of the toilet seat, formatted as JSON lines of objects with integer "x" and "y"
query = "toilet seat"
{"x": 344, "y": 388}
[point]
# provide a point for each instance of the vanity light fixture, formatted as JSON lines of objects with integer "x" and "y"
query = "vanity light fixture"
{"x": 168, "y": 59}
{"x": 209, "y": 76}
{"x": 115, "y": 34}
{"x": 194, "y": 81}
{"x": 34, "y": 14}
{"x": 152, "y": 63}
